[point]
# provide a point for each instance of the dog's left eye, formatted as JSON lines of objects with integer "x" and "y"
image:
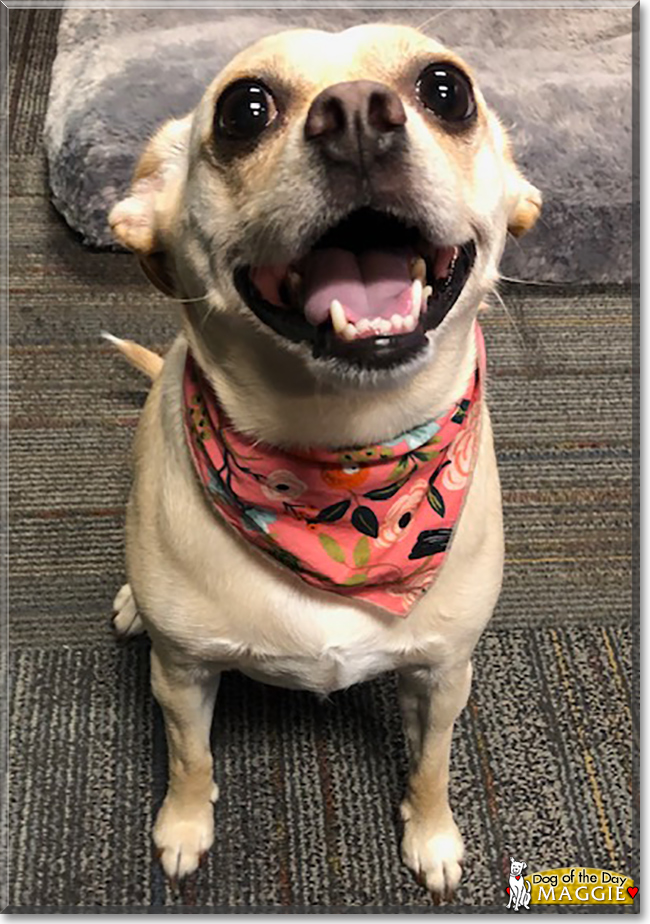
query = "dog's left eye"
{"x": 445, "y": 90}
{"x": 244, "y": 110}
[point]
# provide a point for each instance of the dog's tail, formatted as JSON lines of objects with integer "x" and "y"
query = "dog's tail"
{"x": 143, "y": 359}
{"x": 527, "y": 885}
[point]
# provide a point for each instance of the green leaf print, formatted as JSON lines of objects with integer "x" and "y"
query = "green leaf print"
{"x": 361, "y": 552}
{"x": 356, "y": 579}
{"x": 332, "y": 547}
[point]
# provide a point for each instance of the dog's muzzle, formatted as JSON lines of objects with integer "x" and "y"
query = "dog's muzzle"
{"x": 370, "y": 288}
{"x": 355, "y": 123}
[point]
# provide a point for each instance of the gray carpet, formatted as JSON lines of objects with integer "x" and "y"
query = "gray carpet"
{"x": 544, "y": 764}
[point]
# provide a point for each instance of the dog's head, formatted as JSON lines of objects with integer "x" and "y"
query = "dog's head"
{"x": 517, "y": 867}
{"x": 347, "y": 194}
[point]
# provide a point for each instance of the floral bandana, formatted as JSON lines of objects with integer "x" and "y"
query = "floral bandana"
{"x": 373, "y": 523}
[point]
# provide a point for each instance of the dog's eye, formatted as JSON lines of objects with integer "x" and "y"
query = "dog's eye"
{"x": 244, "y": 110}
{"x": 445, "y": 90}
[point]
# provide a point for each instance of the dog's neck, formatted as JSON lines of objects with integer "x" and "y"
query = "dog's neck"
{"x": 273, "y": 396}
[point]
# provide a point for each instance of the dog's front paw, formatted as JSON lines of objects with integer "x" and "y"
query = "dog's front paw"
{"x": 433, "y": 853}
{"x": 126, "y": 619}
{"x": 183, "y": 835}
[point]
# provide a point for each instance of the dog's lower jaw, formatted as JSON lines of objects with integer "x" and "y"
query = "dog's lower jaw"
{"x": 271, "y": 395}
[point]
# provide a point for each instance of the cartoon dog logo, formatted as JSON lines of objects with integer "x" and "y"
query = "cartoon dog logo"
{"x": 518, "y": 888}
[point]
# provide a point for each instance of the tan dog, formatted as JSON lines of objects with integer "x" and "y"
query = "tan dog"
{"x": 359, "y": 140}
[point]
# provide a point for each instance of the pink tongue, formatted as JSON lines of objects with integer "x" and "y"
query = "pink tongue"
{"x": 374, "y": 284}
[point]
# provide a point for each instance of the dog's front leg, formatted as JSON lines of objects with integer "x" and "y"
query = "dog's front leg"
{"x": 432, "y": 846}
{"x": 184, "y": 829}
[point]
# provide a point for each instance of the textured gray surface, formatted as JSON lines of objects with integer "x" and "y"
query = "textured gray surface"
{"x": 560, "y": 78}
{"x": 308, "y": 815}
{"x": 543, "y": 762}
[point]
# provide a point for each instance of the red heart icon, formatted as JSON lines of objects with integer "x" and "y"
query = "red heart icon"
{"x": 632, "y": 891}
{"x": 508, "y": 890}
{"x": 517, "y": 877}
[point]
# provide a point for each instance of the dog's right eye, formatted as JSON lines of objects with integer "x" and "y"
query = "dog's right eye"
{"x": 244, "y": 110}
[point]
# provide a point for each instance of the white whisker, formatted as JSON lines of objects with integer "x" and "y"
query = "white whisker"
{"x": 528, "y": 282}
{"x": 515, "y": 240}
{"x": 435, "y": 16}
{"x": 510, "y": 318}
{"x": 186, "y": 301}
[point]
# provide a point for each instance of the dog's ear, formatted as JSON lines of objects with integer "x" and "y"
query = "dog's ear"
{"x": 524, "y": 200}
{"x": 524, "y": 865}
{"x": 525, "y": 203}
{"x": 142, "y": 220}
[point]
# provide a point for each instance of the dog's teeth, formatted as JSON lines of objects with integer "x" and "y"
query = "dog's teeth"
{"x": 418, "y": 269}
{"x": 427, "y": 292}
{"x": 409, "y": 323}
{"x": 380, "y": 326}
{"x": 339, "y": 321}
{"x": 452, "y": 263}
{"x": 364, "y": 326}
{"x": 416, "y": 296}
{"x": 397, "y": 322}
{"x": 349, "y": 332}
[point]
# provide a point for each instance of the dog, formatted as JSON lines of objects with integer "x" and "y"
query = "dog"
{"x": 330, "y": 218}
{"x": 519, "y": 889}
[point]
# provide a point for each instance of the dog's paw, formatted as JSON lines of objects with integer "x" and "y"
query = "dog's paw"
{"x": 183, "y": 836}
{"x": 434, "y": 854}
{"x": 126, "y": 619}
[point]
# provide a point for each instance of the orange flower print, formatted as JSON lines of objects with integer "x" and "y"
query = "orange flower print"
{"x": 282, "y": 485}
{"x": 351, "y": 475}
{"x": 461, "y": 452}
{"x": 400, "y": 516}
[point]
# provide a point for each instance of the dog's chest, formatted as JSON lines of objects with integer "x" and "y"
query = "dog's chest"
{"x": 333, "y": 669}
{"x": 321, "y": 661}
{"x": 278, "y": 631}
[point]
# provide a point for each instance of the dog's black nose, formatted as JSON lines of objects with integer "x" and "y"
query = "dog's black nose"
{"x": 355, "y": 122}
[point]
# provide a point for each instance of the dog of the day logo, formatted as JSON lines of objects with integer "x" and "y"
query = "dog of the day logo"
{"x": 571, "y": 885}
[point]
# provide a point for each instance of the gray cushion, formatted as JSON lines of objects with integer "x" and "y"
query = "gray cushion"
{"x": 560, "y": 79}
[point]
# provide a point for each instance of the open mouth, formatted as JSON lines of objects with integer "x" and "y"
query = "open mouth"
{"x": 367, "y": 292}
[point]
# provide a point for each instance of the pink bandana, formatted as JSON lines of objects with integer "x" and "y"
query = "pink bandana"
{"x": 373, "y": 523}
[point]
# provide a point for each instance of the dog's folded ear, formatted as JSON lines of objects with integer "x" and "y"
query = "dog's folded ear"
{"x": 142, "y": 221}
{"x": 525, "y": 204}
{"x": 524, "y": 199}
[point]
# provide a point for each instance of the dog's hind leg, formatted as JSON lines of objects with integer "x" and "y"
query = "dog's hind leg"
{"x": 432, "y": 846}
{"x": 184, "y": 828}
